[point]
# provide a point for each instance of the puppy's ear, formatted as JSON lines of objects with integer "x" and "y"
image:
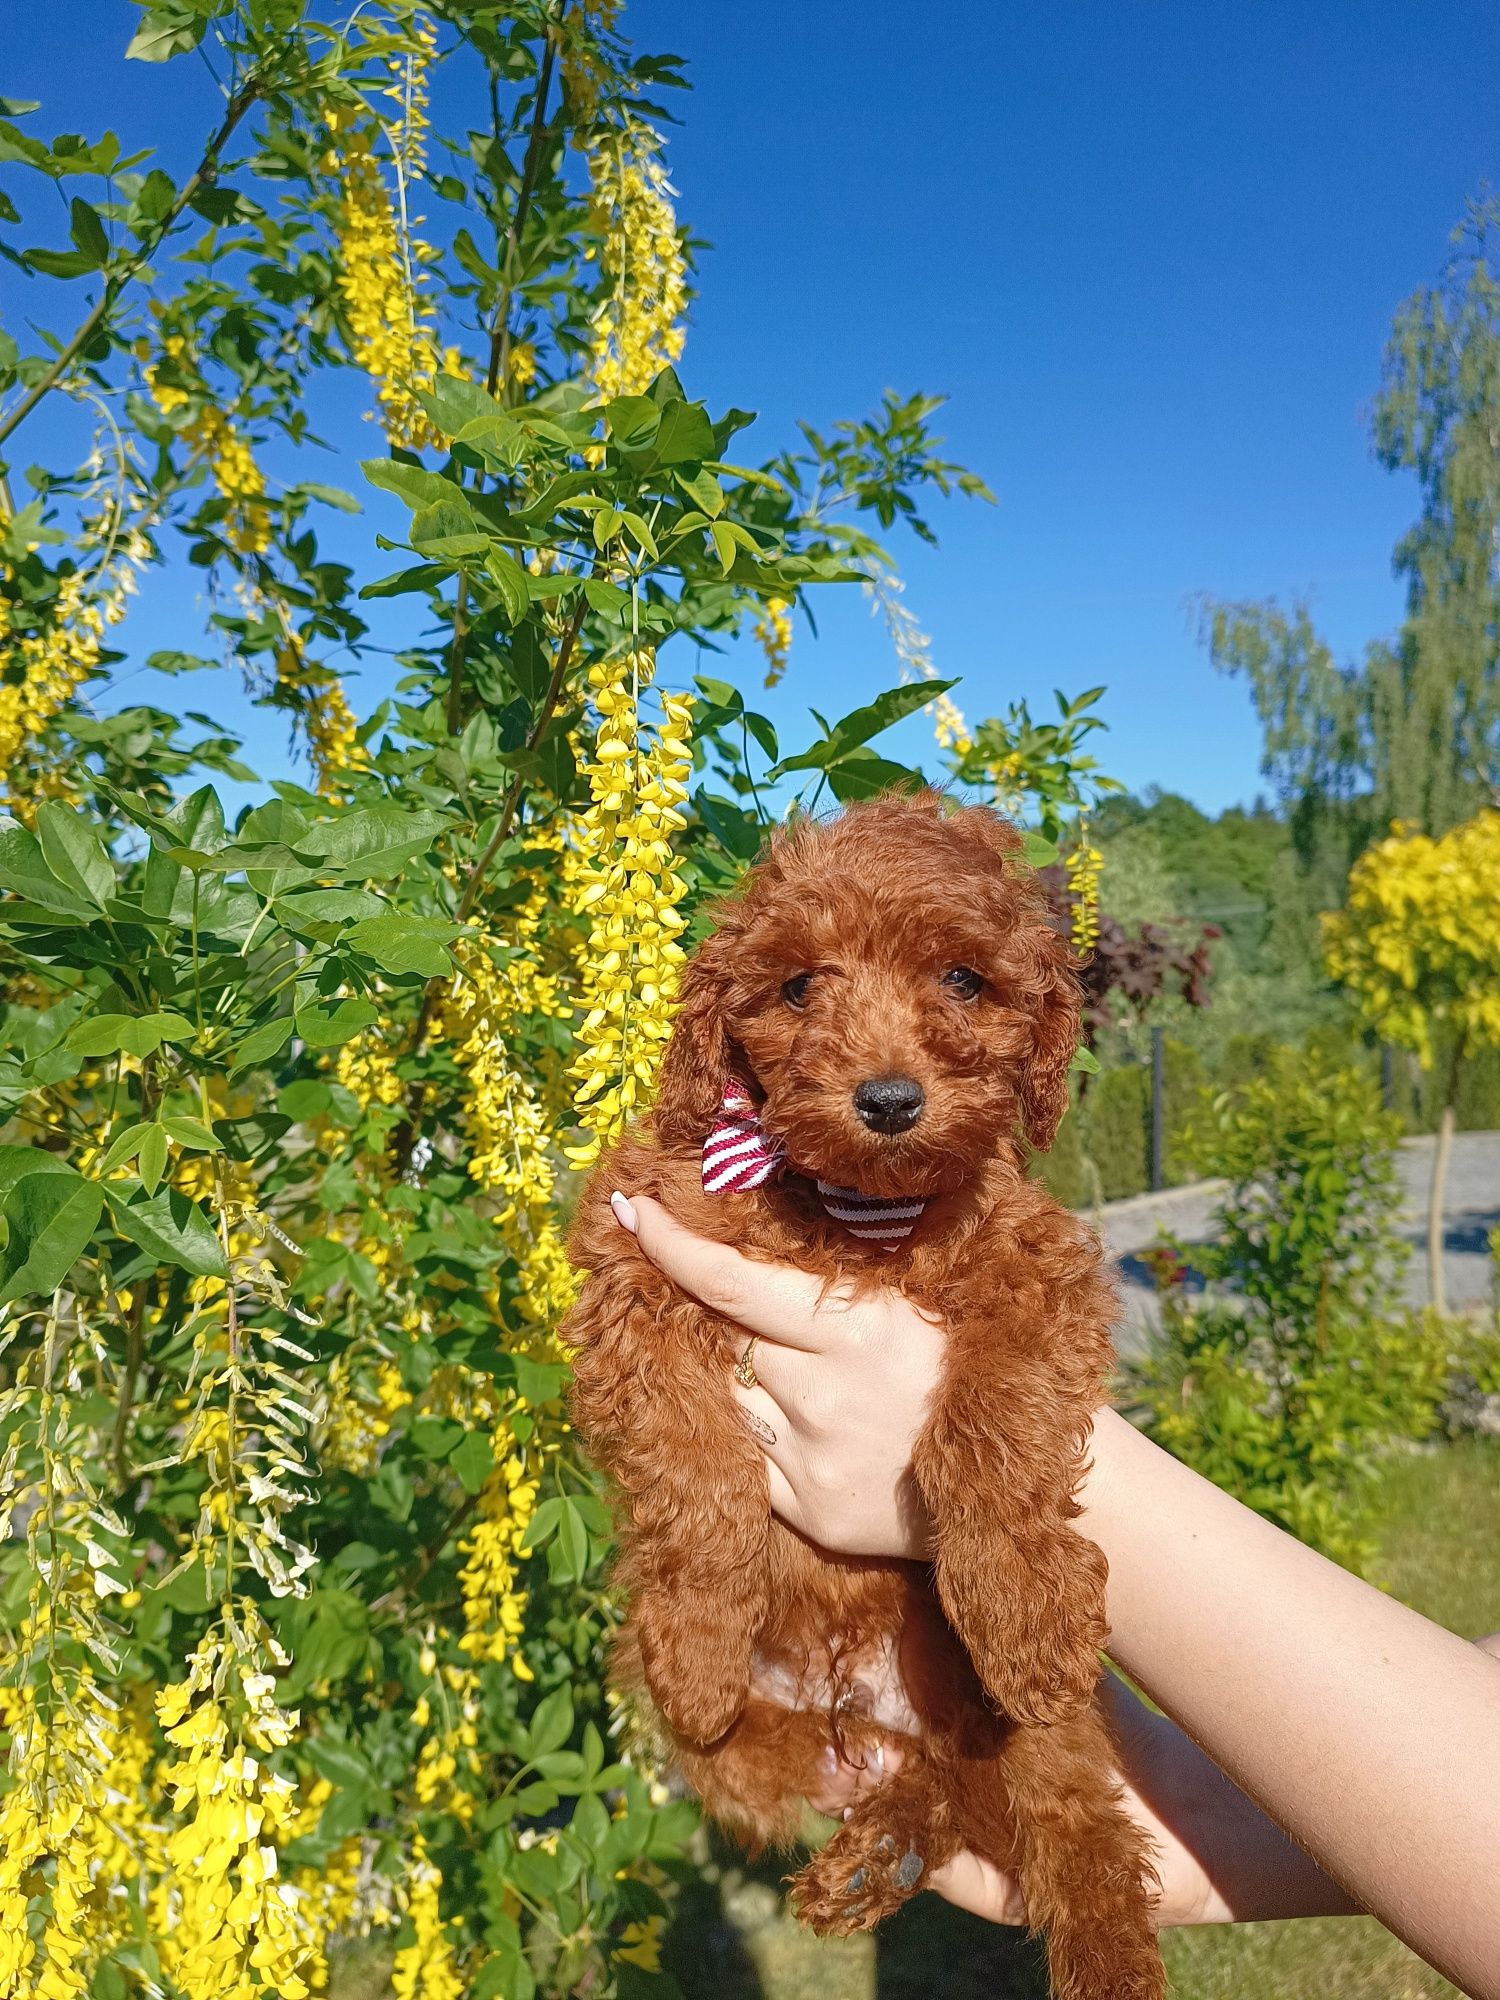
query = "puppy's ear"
{"x": 696, "y": 1065}
{"x": 1044, "y": 1083}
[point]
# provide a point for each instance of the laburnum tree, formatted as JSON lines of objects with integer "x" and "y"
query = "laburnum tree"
{"x": 1415, "y": 948}
{"x": 300, "y": 1570}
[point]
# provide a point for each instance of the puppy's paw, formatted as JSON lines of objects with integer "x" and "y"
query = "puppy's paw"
{"x": 861, "y": 1876}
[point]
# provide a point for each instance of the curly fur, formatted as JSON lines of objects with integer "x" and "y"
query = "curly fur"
{"x": 998, "y": 1637}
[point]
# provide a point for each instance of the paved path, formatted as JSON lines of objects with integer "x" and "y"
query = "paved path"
{"x": 1471, "y": 1211}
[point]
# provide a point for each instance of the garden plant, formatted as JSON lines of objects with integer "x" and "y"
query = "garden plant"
{"x": 300, "y": 1566}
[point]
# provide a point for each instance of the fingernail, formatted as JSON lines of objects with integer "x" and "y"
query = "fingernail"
{"x": 848, "y": 1812}
{"x": 624, "y": 1213}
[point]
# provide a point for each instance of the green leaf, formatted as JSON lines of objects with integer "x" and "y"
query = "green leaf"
{"x": 170, "y": 1228}
{"x": 24, "y": 871}
{"x": 128, "y": 1034}
{"x": 412, "y": 483}
{"x": 373, "y": 843}
{"x": 164, "y": 33}
{"x": 124, "y": 1146}
{"x": 170, "y": 662}
{"x": 326, "y": 1025}
{"x": 17, "y": 1161}
{"x": 88, "y": 232}
{"x": 151, "y": 1161}
{"x": 402, "y": 944}
{"x": 632, "y": 421}
{"x": 473, "y": 1459}
{"x": 1038, "y": 850}
{"x": 571, "y": 1551}
{"x": 511, "y": 584}
{"x": 448, "y": 530}
{"x": 1085, "y": 1062}
{"x": 246, "y": 1138}
{"x": 863, "y": 775}
{"x": 328, "y": 906}
{"x": 191, "y": 1133}
{"x": 552, "y": 1723}
{"x": 51, "y": 1217}
{"x": 60, "y": 263}
{"x": 75, "y": 852}
{"x": 685, "y": 437}
{"x": 262, "y": 1043}
{"x": 862, "y": 723}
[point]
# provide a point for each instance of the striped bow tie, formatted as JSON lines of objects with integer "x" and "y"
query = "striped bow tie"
{"x": 740, "y": 1154}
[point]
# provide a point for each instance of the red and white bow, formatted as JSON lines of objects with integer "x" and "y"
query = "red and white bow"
{"x": 739, "y": 1154}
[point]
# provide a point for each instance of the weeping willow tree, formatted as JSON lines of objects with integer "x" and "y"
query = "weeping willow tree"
{"x": 1411, "y": 733}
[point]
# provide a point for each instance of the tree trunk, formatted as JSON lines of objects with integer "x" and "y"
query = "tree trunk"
{"x": 1437, "y": 1290}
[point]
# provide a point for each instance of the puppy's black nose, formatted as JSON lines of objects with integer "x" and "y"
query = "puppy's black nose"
{"x": 889, "y": 1103}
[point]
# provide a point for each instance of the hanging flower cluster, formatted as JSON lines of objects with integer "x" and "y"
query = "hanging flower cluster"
{"x": 493, "y": 1607}
{"x": 1084, "y": 866}
{"x": 630, "y": 894}
{"x": 55, "y": 648}
{"x": 427, "y": 1968}
{"x": 211, "y": 436}
{"x": 382, "y": 260}
{"x": 913, "y": 648}
{"x": 232, "y": 1922}
{"x": 773, "y": 629}
{"x": 239, "y": 480}
{"x": 585, "y": 69}
{"x": 328, "y": 722}
{"x": 638, "y": 326}
{"x": 508, "y": 1125}
{"x": 1416, "y": 940}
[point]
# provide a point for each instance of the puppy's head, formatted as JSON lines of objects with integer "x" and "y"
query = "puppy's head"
{"x": 891, "y": 984}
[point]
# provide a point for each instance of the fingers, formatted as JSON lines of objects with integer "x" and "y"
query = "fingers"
{"x": 770, "y": 1299}
{"x": 978, "y": 1886}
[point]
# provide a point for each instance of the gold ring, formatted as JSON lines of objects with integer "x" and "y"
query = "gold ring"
{"x": 744, "y": 1368}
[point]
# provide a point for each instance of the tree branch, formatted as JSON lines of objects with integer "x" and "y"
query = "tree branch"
{"x": 204, "y": 172}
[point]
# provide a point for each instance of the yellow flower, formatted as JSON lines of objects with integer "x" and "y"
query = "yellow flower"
{"x": 493, "y": 1608}
{"x": 427, "y": 1968}
{"x": 630, "y": 893}
{"x": 773, "y": 628}
{"x": 324, "y": 712}
{"x": 638, "y": 325}
{"x": 380, "y": 274}
{"x": 57, "y": 655}
{"x": 1084, "y": 865}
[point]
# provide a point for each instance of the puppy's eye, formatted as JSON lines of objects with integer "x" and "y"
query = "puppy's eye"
{"x": 963, "y": 983}
{"x": 794, "y": 992}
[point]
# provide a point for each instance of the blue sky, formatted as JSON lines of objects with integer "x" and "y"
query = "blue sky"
{"x": 1149, "y": 251}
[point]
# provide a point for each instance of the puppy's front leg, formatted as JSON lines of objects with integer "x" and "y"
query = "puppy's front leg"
{"x": 997, "y": 1463}
{"x": 651, "y": 1397}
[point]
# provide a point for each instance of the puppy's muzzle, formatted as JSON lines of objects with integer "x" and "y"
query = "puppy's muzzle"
{"x": 889, "y": 1104}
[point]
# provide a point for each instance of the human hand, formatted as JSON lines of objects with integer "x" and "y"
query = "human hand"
{"x": 844, "y": 1381}
{"x": 1218, "y": 1859}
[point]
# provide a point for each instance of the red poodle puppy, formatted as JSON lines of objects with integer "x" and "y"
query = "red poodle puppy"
{"x": 880, "y": 1024}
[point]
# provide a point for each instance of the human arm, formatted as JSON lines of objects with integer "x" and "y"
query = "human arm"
{"x": 1370, "y": 1735}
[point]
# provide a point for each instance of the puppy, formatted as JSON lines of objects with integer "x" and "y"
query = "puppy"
{"x": 883, "y": 1018}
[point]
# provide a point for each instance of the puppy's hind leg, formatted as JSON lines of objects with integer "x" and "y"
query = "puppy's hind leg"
{"x": 1084, "y": 1865}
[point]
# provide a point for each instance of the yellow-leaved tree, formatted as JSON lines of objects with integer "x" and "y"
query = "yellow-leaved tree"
{"x": 1416, "y": 947}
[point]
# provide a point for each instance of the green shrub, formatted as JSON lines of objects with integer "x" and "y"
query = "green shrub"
{"x": 1288, "y": 1382}
{"x": 1115, "y": 1129}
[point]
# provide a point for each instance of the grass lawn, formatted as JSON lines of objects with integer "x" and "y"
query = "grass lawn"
{"x": 1437, "y": 1517}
